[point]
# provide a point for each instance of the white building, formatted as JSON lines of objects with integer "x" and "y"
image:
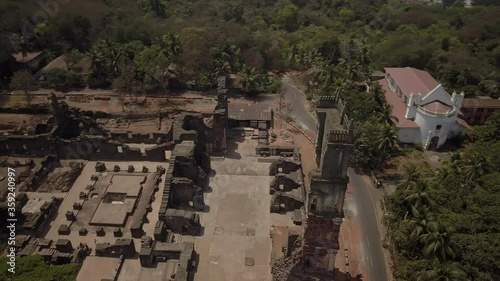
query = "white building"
{"x": 422, "y": 111}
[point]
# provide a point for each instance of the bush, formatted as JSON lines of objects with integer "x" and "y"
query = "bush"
{"x": 62, "y": 79}
{"x": 274, "y": 84}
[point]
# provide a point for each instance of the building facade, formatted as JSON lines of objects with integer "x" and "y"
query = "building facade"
{"x": 477, "y": 111}
{"x": 328, "y": 185}
{"x": 421, "y": 109}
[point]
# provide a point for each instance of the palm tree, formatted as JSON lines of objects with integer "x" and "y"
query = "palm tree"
{"x": 473, "y": 167}
{"x": 442, "y": 272}
{"x": 419, "y": 194}
{"x": 420, "y": 218}
{"x": 444, "y": 172}
{"x": 22, "y": 44}
{"x": 387, "y": 141}
{"x": 378, "y": 94}
{"x": 96, "y": 61}
{"x": 385, "y": 114}
{"x": 454, "y": 161}
{"x": 410, "y": 177}
{"x": 49, "y": 55}
{"x": 438, "y": 243}
{"x": 175, "y": 45}
{"x": 251, "y": 80}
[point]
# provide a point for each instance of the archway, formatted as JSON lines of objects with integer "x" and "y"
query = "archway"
{"x": 434, "y": 143}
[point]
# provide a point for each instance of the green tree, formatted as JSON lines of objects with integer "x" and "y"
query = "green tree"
{"x": 442, "y": 272}
{"x": 439, "y": 243}
{"x": 387, "y": 141}
{"x": 490, "y": 131}
{"x": 72, "y": 58}
{"x": 288, "y": 17}
{"x": 126, "y": 82}
{"x": 251, "y": 80}
{"x": 22, "y": 81}
{"x": 411, "y": 177}
{"x": 171, "y": 45}
{"x": 418, "y": 195}
{"x": 22, "y": 44}
{"x": 154, "y": 64}
{"x": 420, "y": 219}
{"x": 473, "y": 166}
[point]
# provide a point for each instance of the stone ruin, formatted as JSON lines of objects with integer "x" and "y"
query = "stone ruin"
{"x": 183, "y": 253}
{"x": 76, "y": 134}
{"x": 58, "y": 252}
{"x": 287, "y": 186}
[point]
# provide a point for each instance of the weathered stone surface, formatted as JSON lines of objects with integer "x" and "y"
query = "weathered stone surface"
{"x": 100, "y": 167}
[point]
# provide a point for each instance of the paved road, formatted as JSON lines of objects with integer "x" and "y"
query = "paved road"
{"x": 365, "y": 199}
{"x": 364, "y": 196}
{"x": 299, "y": 113}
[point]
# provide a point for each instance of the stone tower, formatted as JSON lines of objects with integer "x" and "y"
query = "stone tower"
{"x": 328, "y": 184}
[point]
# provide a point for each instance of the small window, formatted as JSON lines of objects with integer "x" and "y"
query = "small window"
{"x": 313, "y": 205}
{"x": 438, "y": 127}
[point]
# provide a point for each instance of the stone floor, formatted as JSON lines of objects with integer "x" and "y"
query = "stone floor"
{"x": 236, "y": 243}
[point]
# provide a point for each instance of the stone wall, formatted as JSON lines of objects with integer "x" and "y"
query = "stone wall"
{"x": 320, "y": 243}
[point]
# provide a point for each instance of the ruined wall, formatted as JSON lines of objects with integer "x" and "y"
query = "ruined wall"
{"x": 284, "y": 202}
{"x": 184, "y": 192}
{"x": 328, "y": 185}
{"x": 220, "y": 126}
{"x": 283, "y": 166}
{"x": 320, "y": 244}
{"x": 100, "y": 148}
{"x": 283, "y": 182}
{"x": 268, "y": 150}
{"x": 183, "y": 222}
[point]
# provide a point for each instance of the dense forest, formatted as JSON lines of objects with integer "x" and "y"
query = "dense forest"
{"x": 448, "y": 225}
{"x": 163, "y": 44}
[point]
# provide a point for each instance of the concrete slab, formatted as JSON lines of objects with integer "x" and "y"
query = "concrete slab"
{"x": 98, "y": 268}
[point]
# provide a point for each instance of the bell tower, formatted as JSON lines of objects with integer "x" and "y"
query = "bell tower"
{"x": 328, "y": 184}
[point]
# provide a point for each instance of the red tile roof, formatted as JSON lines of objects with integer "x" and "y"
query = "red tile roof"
{"x": 398, "y": 107}
{"x": 437, "y": 106}
{"x": 481, "y": 103}
{"x": 462, "y": 123}
{"x": 412, "y": 80}
{"x": 24, "y": 59}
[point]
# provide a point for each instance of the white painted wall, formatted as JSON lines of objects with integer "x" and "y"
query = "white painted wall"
{"x": 409, "y": 135}
{"x": 428, "y": 125}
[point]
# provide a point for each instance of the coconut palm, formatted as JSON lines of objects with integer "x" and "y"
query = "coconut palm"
{"x": 442, "y": 272}
{"x": 473, "y": 167}
{"x": 251, "y": 80}
{"x": 444, "y": 172}
{"x": 49, "y": 55}
{"x": 22, "y": 44}
{"x": 97, "y": 61}
{"x": 420, "y": 218}
{"x": 438, "y": 243}
{"x": 418, "y": 194}
{"x": 387, "y": 141}
{"x": 174, "y": 45}
{"x": 377, "y": 94}
{"x": 410, "y": 177}
{"x": 385, "y": 114}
